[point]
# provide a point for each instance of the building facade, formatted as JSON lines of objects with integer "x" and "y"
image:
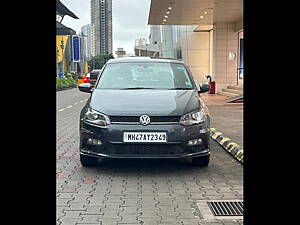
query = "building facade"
{"x": 120, "y": 52}
{"x": 64, "y": 50}
{"x": 150, "y": 50}
{"x": 101, "y": 27}
{"x": 167, "y": 39}
{"x": 155, "y": 34}
{"x": 86, "y": 34}
{"x": 141, "y": 48}
{"x": 140, "y": 41}
{"x": 209, "y": 37}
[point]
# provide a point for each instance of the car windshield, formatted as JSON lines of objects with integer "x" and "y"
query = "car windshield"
{"x": 145, "y": 76}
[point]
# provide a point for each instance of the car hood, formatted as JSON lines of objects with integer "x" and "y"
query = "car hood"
{"x": 138, "y": 102}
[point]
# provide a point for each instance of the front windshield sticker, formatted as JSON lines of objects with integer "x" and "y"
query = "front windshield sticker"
{"x": 188, "y": 84}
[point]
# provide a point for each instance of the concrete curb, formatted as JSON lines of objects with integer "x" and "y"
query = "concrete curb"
{"x": 231, "y": 147}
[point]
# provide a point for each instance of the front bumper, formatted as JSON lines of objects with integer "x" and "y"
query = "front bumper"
{"x": 112, "y": 146}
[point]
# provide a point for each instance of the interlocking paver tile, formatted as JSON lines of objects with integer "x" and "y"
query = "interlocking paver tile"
{"x": 149, "y": 221}
{"x": 65, "y": 195}
{"x": 129, "y": 217}
{"x": 112, "y": 206}
{"x": 60, "y": 211}
{"x": 69, "y": 221}
{"x": 90, "y": 218}
{"x": 129, "y": 209}
{"x": 166, "y": 209}
{"x": 147, "y": 205}
{"x": 96, "y": 199}
{"x": 72, "y": 214}
{"x": 79, "y": 199}
{"x": 186, "y": 214}
{"x": 183, "y": 206}
{"x": 113, "y": 199}
{"x": 198, "y": 195}
{"x": 165, "y": 218}
{"x": 109, "y": 221}
{"x": 110, "y": 215}
{"x": 76, "y": 207}
{"x": 190, "y": 221}
{"x": 92, "y": 210}
{"x": 63, "y": 201}
{"x": 211, "y": 223}
{"x": 96, "y": 223}
{"x": 146, "y": 213}
{"x": 231, "y": 223}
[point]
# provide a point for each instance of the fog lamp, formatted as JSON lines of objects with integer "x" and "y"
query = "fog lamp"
{"x": 92, "y": 141}
{"x": 195, "y": 142}
{"x": 202, "y": 131}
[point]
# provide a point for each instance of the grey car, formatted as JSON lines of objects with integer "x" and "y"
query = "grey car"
{"x": 144, "y": 107}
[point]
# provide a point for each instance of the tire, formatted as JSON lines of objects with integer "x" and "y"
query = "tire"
{"x": 201, "y": 161}
{"x": 87, "y": 161}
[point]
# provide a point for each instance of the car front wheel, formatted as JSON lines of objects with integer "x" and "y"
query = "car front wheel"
{"x": 201, "y": 161}
{"x": 87, "y": 161}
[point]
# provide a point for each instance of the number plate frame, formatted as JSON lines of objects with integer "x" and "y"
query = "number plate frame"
{"x": 145, "y": 137}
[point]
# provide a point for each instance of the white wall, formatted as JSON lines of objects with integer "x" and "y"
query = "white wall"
{"x": 196, "y": 52}
{"x": 207, "y": 53}
{"x": 225, "y": 40}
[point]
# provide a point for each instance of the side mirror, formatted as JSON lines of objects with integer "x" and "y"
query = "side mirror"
{"x": 204, "y": 87}
{"x": 85, "y": 87}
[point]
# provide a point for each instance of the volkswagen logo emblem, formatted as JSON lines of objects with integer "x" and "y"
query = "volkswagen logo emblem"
{"x": 144, "y": 120}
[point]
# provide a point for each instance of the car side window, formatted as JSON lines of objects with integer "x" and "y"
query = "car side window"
{"x": 181, "y": 76}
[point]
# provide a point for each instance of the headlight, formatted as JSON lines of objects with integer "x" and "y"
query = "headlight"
{"x": 95, "y": 117}
{"x": 193, "y": 118}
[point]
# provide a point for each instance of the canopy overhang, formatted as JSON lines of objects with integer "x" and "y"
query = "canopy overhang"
{"x": 195, "y": 12}
{"x": 62, "y": 10}
{"x": 63, "y": 30}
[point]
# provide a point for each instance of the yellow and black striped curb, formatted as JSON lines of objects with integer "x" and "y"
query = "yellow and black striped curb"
{"x": 233, "y": 148}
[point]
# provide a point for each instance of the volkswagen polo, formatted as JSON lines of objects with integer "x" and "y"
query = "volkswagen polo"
{"x": 144, "y": 107}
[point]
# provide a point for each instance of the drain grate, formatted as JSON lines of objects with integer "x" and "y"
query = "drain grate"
{"x": 226, "y": 208}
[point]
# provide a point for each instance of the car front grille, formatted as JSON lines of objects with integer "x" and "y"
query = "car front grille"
{"x": 147, "y": 149}
{"x": 136, "y": 119}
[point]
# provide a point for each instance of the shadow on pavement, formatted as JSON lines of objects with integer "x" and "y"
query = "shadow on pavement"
{"x": 146, "y": 166}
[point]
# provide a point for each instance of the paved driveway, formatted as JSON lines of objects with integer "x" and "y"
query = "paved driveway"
{"x": 135, "y": 191}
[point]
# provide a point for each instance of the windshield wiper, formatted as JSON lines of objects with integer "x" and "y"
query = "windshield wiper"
{"x": 135, "y": 88}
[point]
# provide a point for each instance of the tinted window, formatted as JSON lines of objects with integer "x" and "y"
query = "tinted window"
{"x": 94, "y": 75}
{"x": 145, "y": 75}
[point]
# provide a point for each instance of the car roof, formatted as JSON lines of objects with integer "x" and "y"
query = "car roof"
{"x": 144, "y": 59}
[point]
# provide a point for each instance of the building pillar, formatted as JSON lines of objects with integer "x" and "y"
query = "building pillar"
{"x": 195, "y": 49}
{"x": 225, "y": 55}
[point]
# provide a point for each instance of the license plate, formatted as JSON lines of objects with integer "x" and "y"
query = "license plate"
{"x": 145, "y": 137}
